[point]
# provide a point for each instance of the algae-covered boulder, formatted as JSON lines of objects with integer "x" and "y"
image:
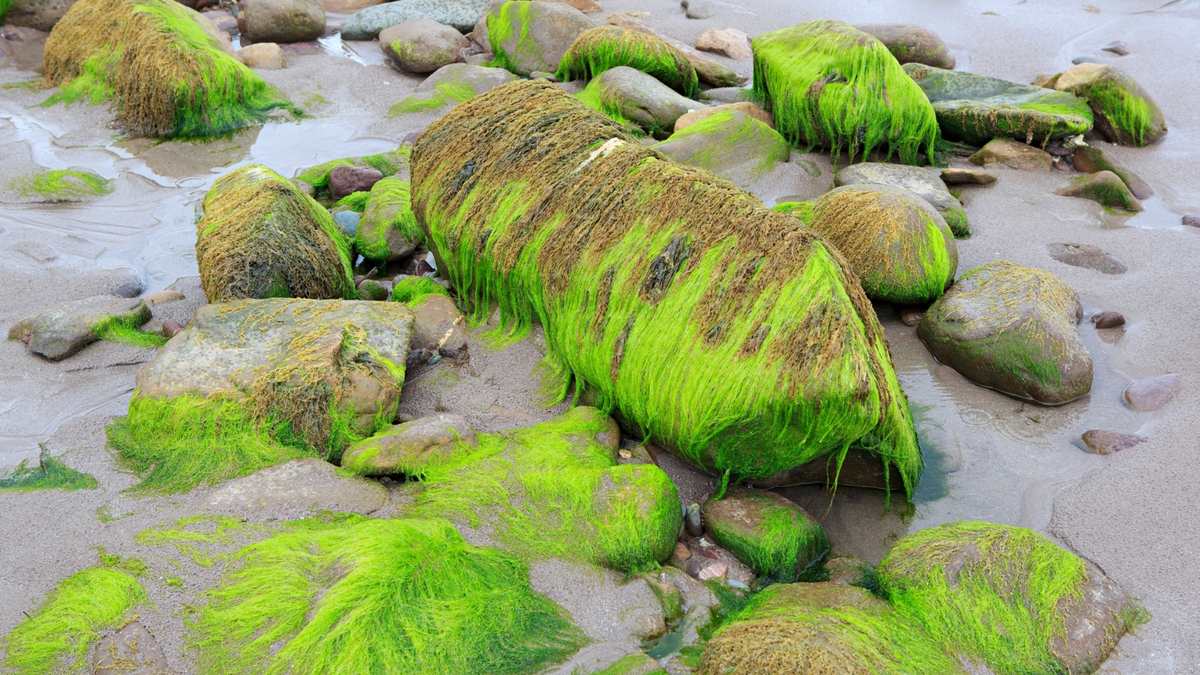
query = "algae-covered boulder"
{"x": 744, "y": 107}
{"x": 368, "y": 23}
{"x": 1105, "y": 188}
{"x": 449, "y": 85}
{"x": 636, "y": 99}
{"x": 162, "y": 67}
{"x": 1090, "y": 159}
{"x": 898, "y": 245}
{"x": 410, "y": 448}
{"x": 347, "y": 594}
{"x": 829, "y": 85}
{"x": 38, "y": 14}
{"x": 714, "y": 325}
{"x": 261, "y": 237}
{"x": 1013, "y": 329}
{"x": 911, "y": 44}
{"x": 919, "y": 181}
{"x": 975, "y": 108}
{"x": 252, "y": 383}
{"x": 1006, "y": 598}
{"x": 62, "y": 331}
{"x": 394, "y": 163}
{"x": 726, "y": 142}
{"x": 530, "y": 37}
{"x": 387, "y": 230}
{"x": 1124, "y": 112}
{"x": 60, "y": 186}
{"x": 774, "y": 537}
{"x": 598, "y": 49}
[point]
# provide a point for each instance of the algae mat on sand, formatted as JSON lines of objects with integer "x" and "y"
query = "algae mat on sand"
{"x": 716, "y": 326}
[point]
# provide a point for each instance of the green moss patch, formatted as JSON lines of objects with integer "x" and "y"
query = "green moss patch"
{"x": 801, "y": 210}
{"x": 443, "y": 93}
{"x": 127, "y": 331}
{"x": 775, "y": 538}
{"x": 725, "y": 141}
{"x": 61, "y": 186}
{"x": 411, "y": 289}
{"x": 387, "y": 213}
{"x": 53, "y": 474}
{"x": 604, "y": 47}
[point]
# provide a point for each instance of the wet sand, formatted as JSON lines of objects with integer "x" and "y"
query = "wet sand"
{"x": 989, "y": 456}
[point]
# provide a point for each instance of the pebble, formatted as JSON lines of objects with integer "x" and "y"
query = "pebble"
{"x": 1117, "y": 48}
{"x": 1192, "y": 219}
{"x": 967, "y": 177}
{"x": 171, "y": 328}
{"x": 713, "y": 571}
{"x": 911, "y": 316}
{"x": 1108, "y": 319}
{"x": 422, "y": 268}
{"x": 692, "y": 521}
{"x": 163, "y": 296}
{"x": 1151, "y": 393}
{"x": 698, "y": 9}
{"x": 682, "y": 552}
{"x": 1108, "y": 441}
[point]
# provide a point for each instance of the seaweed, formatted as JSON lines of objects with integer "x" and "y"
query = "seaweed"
{"x": 800, "y": 210}
{"x": 411, "y": 289}
{"x": 598, "y": 49}
{"x": 388, "y": 212}
{"x": 394, "y": 163}
{"x": 61, "y": 185}
{"x": 747, "y": 135}
{"x": 127, "y": 331}
{"x": 785, "y": 541}
{"x": 443, "y": 93}
{"x": 52, "y": 474}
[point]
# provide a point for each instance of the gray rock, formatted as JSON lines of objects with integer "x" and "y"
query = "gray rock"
{"x": 967, "y": 177}
{"x": 642, "y": 99}
{"x": 1151, "y": 393}
{"x": 725, "y": 95}
{"x": 60, "y": 332}
{"x": 1014, "y": 155}
{"x": 1087, "y": 256}
{"x": 699, "y": 9}
{"x": 1191, "y": 220}
{"x": 346, "y": 180}
{"x": 421, "y": 45}
{"x": 537, "y": 35}
{"x": 692, "y": 521}
{"x": 368, "y": 23}
{"x": 348, "y": 220}
{"x": 281, "y": 21}
{"x": 1105, "y": 188}
{"x": 478, "y": 78}
{"x": 130, "y": 651}
{"x": 407, "y": 449}
{"x": 1116, "y": 47}
{"x": 728, "y": 142}
{"x": 911, "y": 44}
{"x": 39, "y": 14}
{"x": 1108, "y": 441}
{"x": 921, "y": 182}
{"x": 1090, "y": 159}
{"x": 307, "y": 484}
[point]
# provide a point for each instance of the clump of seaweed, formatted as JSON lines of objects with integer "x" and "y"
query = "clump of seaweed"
{"x": 205, "y": 540}
{"x": 387, "y": 214}
{"x": 160, "y": 64}
{"x": 800, "y": 210}
{"x": 5, "y": 5}
{"x": 61, "y": 185}
{"x": 301, "y": 601}
{"x": 714, "y": 324}
{"x": 598, "y": 49}
{"x": 411, "y": 289}
{"x": 51, "y": 474}
{"x": 830, "y": 85}
{"x": 443, "y": 93}
{"x": 127, "y": 331}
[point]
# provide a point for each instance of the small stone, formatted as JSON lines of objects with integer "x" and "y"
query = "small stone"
{"x": 847, "y": 570}
{"x": 130, "y": 651}
{"x": 346, "y": 180}
{"x": 911, "y": 316}
{"x": 1151, "y": 393}
{"x": 1090, "y": 159}
{"x": 1013, "y": 154}
{"x": 265, "y": 55}
{"x": 163, "y": 297}
{"x": 1108, "y": 441}
{"x": 540, "y": 75}
{"x": 171, "y": 328}
{"x": 348, "y": 220}
{"x": 1087, "y": 256}
{"x": 1108, "y": 319}
{"x": 729, "y": 42}
{"x": 692, "y": 521}
{"x": 1117, "y": 48}
{"x": 422, "y": 268}
{"x": 911, "y": 44}
{"x": 713, "y": 571}
{"x": 625, "y": 454}
{"x": 967, "y": 177}
{"x": 698, "y": 9}
{"x": 1045, "y": 81}
{"x": 1191, "y": 220}
{"x": 370, "y": 289}
{"x": 682, "y": 552}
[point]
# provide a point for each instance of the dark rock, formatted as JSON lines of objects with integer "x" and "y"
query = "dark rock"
{"x": 410, "y": 447}
{"x": 1191, "y": 220}
{"x": 1151, "y": 393}
{"x": 367, "y": 24}
{"x": 858, "y": 469}
{"x": 130, "y": 289}
{"x": 538, "y": 36}
{"x": 699, "y": 9}
{"x": 1105, "y": 188}
{"x": 911, "y": 44}
{"x": 60, "y": 332}
{"x": 1108, "y": 319}
{"x": 1124, "y": 112}
{"x": 910, "y": 316}
{"x": 171, "y": 328}
{"x": 1117, "y": 48}
{"x": 421, "y": 45}
{"x": 281, "y": 21}
{"x": 967, "y": 177}
{"x": 346, "y": 180}
{"x": 917, "y": 180}
{"x": 642, "y": 99}
{"x": 1108, "y": 441}
{"x": 1087, "y": 256}
{"x": 422, "y": 268}
{"x": 1013, "y": 154}
{"x": 130, "y": 651}
{"x": 1090, "y": 159}
{"x": 773, "y": 536}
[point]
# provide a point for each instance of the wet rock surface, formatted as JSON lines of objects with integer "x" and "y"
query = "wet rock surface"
{"x": 1151, "y": 393}
{"x": 642, "y": 99}
{"x": 60, "y": 332}
{"x": 967, "y": 177}
{"x": 1105, "y": 188}
{"x": 130, "y": 651}
{"x": 775, "y": 537}
{"x": 1090, "y": 159}
{"x": 535, "y": 35}
{"x": 297, "y": 487}
{"x": 1087, "y": 256}
{"x": 1125, "y": 113}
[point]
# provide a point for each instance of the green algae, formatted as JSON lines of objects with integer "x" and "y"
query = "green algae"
{"x": 500, "y": 30}
{"x": 801, "y": 210}
{"x": 827, "y": 84}
{"x": 598, "y": 49}
{"x": 127, "y": 331}
{"x": 391, "y": 163}
{"x": 301, "y": 601}
{"x": 61, "y": 186}
{"x": 785, "y": 542}
{"x": 355, "y": 201}
{"x": 1113, "y": 195}
{"x": 1124, "y": 110}
{"x": 205, "y": 540}
{"x": 602, "y": 100}
{"x": 53, "y": 474}
{"x": 388, "y": 210}
{"x": 727, "y": 146}
{"x": 5, "y": 5}
{"x": 637, "y": 663}
{"x": 443, "y": 93}
{"x": 411, "y": 289}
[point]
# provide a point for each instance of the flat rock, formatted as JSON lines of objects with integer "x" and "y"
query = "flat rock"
{"x": 409, "y": 448}
{"x": 281, "y": 21}
{"x": 746, "y": 107}
{"x": 641, "y": 99}
{"x": 967, "y": 177}
{"x": 1124, "y": 112}
{"x": 1108, "y": 441}
{"x": 1105, "y": 188}
{"x": 130, "y": 651}
{"x": 60, "y": 332}
{"x": 368, "y": 23}
{"x": 1014, "y": 155}
{"x": 919, "y": 181}
{"x": 478, "y": 78}
{"x": 1090, "y": 159}
{"x": 421, "y": 45}
{"x": 729, "y": 42}
{"x": 726, "y": 142}
{"x": 1151, "y": 393}
{"x": 1087, "y": 256}
{"x": 537, "y": 34}
{"x": 306, "y": 484}
{"x": 911, "y": 44}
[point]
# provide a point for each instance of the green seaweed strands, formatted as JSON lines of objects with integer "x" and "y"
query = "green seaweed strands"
{"x": 127, "y": 331}
{"x": 783, "y": 537}
{"x": 411, "y": 289}
{"x": 443, "y": 93}
{"x": 801, "y": 210}
{"x": 388, "y": 212}
{"x": 305, "y": 602}
{"x": 727, "y": 138}
{"x": 600, "y": 99}
{"x": 5, "y": 5}
{"x": 716, "y": 326}
{"x": 53, "y": 474}
{"x": 387, "y": 163}
{"x": 61, "y": 185}
{"x": 598, "y": 49}
{"x": 162, "y": 66}
{"x": 830, "y": 85}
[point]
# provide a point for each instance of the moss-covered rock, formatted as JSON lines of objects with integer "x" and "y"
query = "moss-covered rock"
{"x": 411, "y": 448}
{"x": 919, "y": 181}
{"x": 450, "y": 85}
{"x": 531, "y": 37}
{"x": 741, "y": 106}
{"x": 1013, "y": 329}
{"x": 412, "y": 288}
{"x": 1105, "y": 188}
{"x": 726, "y": 142}
{"x": 1125, "y": 113}
{"x": 387, "y": 230}
{"x": 598, "y": 49}
{"x": 773, "y": 536}
{"x": 64, "y": 330}
{"x": 394, "y": 163}
{"x": 356, "y": 595}
{"x": 162, "y": 66}
{"x": 717, "y": 327}
{"x": 1090, "y": 159}
{"x": 975, "y": 108}
{"x": 1014, "y": 155}
{"x": 637, "y": 100}
{"x": 64, "y": 185}
{"x": 898, "y": 245}
{"x": 261, "y": 237}
{"x": 911, "y": 44}
{"x": 829, "y": 85}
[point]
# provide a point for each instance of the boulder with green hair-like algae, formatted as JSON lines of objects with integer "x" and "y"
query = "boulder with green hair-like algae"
{"x": 530, "y": 37}
{"x": 357, "y": 595}
{"x": 1091, "y": 159}
{"x": 773, "y": 536}
{"x": 387, "y": 230}
{"x": 412, "y": 288}
{"x": 450, "y": 85}
{"x": 714, "y": 325}
{"x": 394, "y": 163}
{"x": 829, "y": 85}
{"x": 252, "y": 383}
{"x": 410, "y": 448}
{"x": 727, "y": 142}
{"x": 64, "y": 330}
{"x": 917, "y": 180}
{"x": 261, "y": 237}
{"x": 1006, "y": 598}
{"x": 1125, "y": 113}
{"x": 637, "y": 100}
{"x": 898, "y": 245}
{"x": 1105, "y": 188}
{"x": 1013, "y": 329}
{"x": 975, "y": 108}
{"x": 162, "y": 67}
{"x": 603, "y": 47}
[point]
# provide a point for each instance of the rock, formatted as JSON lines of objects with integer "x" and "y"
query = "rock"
{"x": 916, "y": 180}
{"x": 911, "y": 44}
{"x": 260, "y": 237}
{"x": 281, "y": 21}
{"x": 629, "y": 94}
{"x": 348, "y": 220}
{"x": 439, "y": 323}
{"x": 347, "y": 6}
{"x": 171, "y": 328}
{"x": 585, "y": 6}
{"x": 725, "y": 143}
{"x": 1013, "y": 154}
{"x": 975, "y": 109}
{"x": 603, "y": 47}
{"x": 605, "y": 605}
{"x": 707, "y": 70}
{"x": 1151, "y": 393}
{"x": 899, "y": 247}
{"x": 452, "y": 84}
{"x": 637, "y": 663}
{"x": 1105, "y": 188}
{"x": 712, "y": 571}
{"x": 692, "y": 521}
{"x": 1116, "y": 47}
{"x": 60, "y": 332}
{"x": 130, "y": 651}
{"x": 745, "y": 107}
{"x": 1087, "y": 256}
{"x": 682, "y": 552}
{"x": 729, "y": 95}
{"x": 699, "y": 9}
{"x": 729, "y": 42}
{"x": 387, "y": 231}
{"x": 1108, "y": 319}
{"x": 1013, "y": 329}
{"x": 367, "y": 24}
{"x": 421, "y": 45}
{"x": 533, "y": 36}
{"x": 848, "y": 570}
{"x": 1191, "y": 220}
{"x": 346, "y": 180}
{"x": 299, "y": 485}
{"x": 411, "y": 448}
{"x": 265, "y": 55}
{"x": 1108, "y": 441}
{"x": 38, "y": 14}
{"x": 967, "y": 177}
{"x": 911, "y": 316}
{"x": 774, "y": 537}
{"x": 1124, "y": 112}
{"x": 1045, "y": 81}
{"x": 377, "y": 291}
{"x": 1090, "y": 159}
{"x": 858, "y": 469}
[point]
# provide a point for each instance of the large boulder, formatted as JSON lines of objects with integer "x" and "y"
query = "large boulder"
{"x": 387, "y": 230}
{"x": 450, "y": 85}
{"x": 368, "y": 23}
{"x": 919, "y": 181}
{"x": 281, "y": 21}
{"x": 530, "y": 37}
{"x": 714, "y": 325}
{"x": 633, "y": 97}
{"x": 1125, "y": 113}
{"x": 898, "y": 245}
{"x": 829, "y": 85}
{"x": 1013, "y": 329}
{"x": 261, "y": 237}
{"x": 421, "y": 45}
{"x": 774, "y": 537}
{"x": 726, "y": 142}
{"x": 62, "y": 331}
{"x": 911, "y": 44}
{"x": 598, "y": 49}
{"x": 164, "y": 68}
{"x": 975, "y": 108}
